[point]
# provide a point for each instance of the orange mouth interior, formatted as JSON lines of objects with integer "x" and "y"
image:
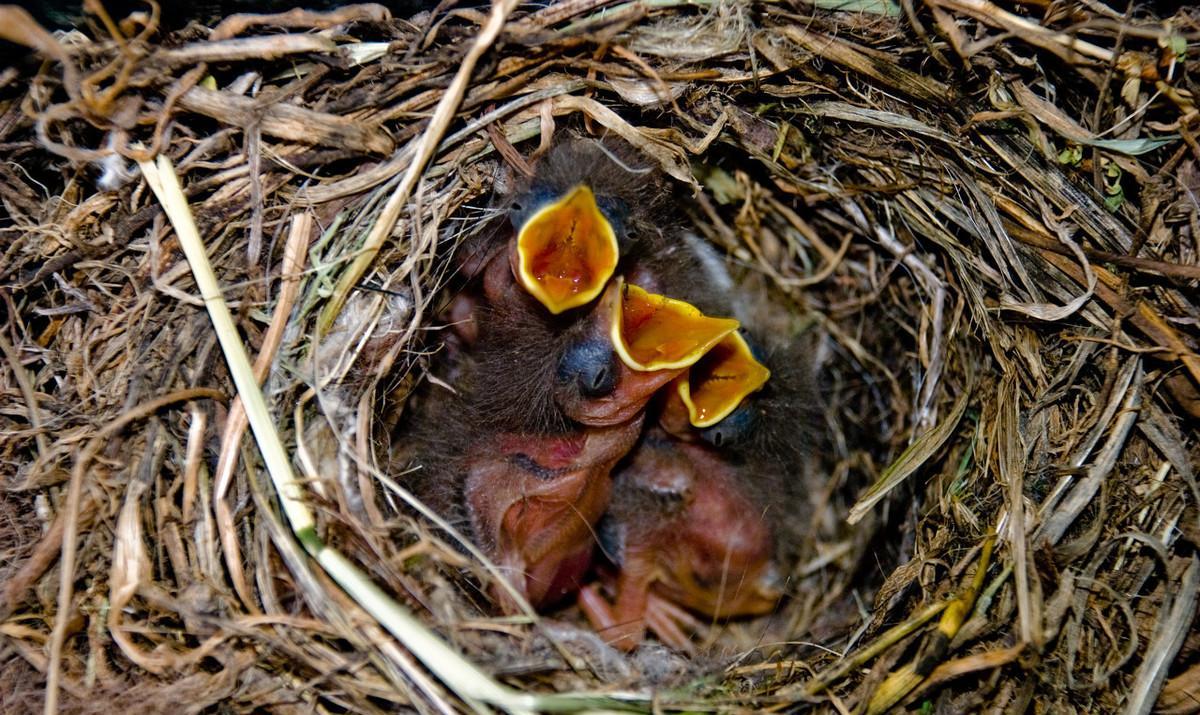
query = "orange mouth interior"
{"x": 654, "y": 332}
{"x": 566, "y": 252}
{"x": 720, "y": 380}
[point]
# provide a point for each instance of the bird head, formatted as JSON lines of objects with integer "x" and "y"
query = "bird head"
{"x": 685, "y": 519}
{"x": 533, "y": 501}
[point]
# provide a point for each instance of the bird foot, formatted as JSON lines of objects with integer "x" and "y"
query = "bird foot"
{"x": 672, "y": 623}
{"x": 624, "y": 626}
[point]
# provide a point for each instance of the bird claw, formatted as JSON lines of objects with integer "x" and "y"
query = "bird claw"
{"x": 624, "y": 627}
{"x": 672, "y": 624}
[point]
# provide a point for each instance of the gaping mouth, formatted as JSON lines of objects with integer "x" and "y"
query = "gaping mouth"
{"x": 720, "y": 380}
{"x": 654, "y": 332}
{"x": 566, "y": 252}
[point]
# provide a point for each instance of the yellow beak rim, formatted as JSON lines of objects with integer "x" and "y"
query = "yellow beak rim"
{"x": 718, "y": 382}
{"x": 654, "y": 332}
{"x": 566, "y": 252}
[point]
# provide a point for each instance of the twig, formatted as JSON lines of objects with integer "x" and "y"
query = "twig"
{"x": 256, "y": 48}
{"x": 27, "y": 392}
{"x": 297, "y": 17}
{"x": 287, "y": 121}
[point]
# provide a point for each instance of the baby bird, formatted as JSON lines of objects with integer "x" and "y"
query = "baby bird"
{"x": 533, "y": 502}
{"x": 684, "y": 535}
{"x": 702, "y": 519}
{"x": 544, "y": 318}
{"x": 529, "y": 501}
{"x": 539, "y": 372}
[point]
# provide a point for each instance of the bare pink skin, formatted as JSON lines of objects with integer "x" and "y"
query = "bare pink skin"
{"x": 712, "y": 555}
{"x": 674, "y": 419}
{"x": 461, "y": 314}
{"x": 534, "y": 502}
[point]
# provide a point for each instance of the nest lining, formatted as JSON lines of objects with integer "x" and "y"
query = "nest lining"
{"x": 1005, "y": 294}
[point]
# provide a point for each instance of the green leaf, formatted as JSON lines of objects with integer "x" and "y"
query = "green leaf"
{"x": 907, "y": 464}
{"x": 1113, "y": 201}
{"x": 1072, "y": 155}
{"x": 724, "y": 187}
{"x": 1132, "y": 147}
{"x": 1178, "y": 45}
{"x": 1114, "y": 193}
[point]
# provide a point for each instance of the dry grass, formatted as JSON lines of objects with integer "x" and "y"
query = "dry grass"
{"x": 989, "y": 214}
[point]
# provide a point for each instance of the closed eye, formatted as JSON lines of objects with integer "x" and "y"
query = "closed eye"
{"x": 529, "y": 464}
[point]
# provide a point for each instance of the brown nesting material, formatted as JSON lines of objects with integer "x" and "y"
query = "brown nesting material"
{"x": 984, "y": 215}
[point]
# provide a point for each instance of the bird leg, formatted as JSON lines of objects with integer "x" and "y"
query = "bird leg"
{"x": 622, "y": 624}
{"x": 620, "y": 632}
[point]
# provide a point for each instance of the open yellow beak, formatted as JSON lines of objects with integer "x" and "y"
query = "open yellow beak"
{"x": 566, "y": 252}
{"x": 720, "y": 380}
{"x": 654, "y": 332}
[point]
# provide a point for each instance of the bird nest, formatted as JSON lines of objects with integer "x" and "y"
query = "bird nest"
{"x": 986, "y": 213}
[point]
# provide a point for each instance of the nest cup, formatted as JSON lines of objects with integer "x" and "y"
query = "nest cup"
{"x": 982, "y": 215}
